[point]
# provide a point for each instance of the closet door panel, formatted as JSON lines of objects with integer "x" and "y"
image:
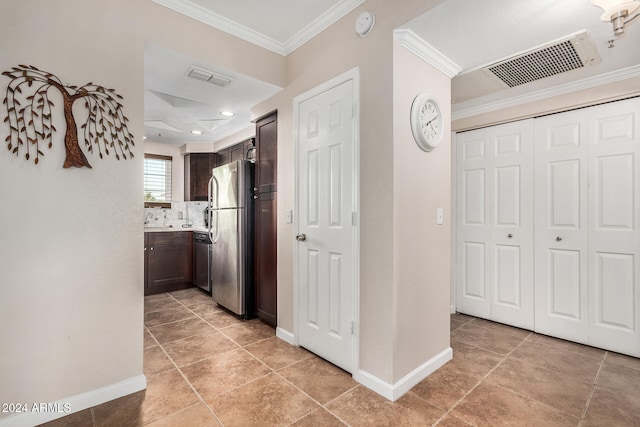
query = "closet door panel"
{"x": 614, "y": 216}
{"x": 495, "y": 221}
{"x": 561, "y": 294}
{"x": 512, "y": 224}
{"x": 474, "y": 204}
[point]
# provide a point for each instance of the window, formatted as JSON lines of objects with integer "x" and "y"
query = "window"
{"x": 157, "y": 181}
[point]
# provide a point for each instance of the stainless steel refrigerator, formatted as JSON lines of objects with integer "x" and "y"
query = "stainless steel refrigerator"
{"x": 231, "y": 233}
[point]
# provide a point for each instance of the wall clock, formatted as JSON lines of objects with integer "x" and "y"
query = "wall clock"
{"x": 426, "y": 122}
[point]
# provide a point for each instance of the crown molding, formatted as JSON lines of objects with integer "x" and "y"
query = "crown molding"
{"x": 206, "y": 16}
{"x": 459, "y": 111}
{"x": 416, "y": 45}
{"x": 222, "y": 23}
{"x": 320, "y": 24}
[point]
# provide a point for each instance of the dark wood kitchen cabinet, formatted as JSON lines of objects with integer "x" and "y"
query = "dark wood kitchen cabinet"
{"x": 168, "y": 260}
{"x": 235, "y": 152}
{"x": 197, "y": 172}
{"x": 224, "y": 157}
{"x": 265, "y": 219}
{"x": 265, "y": 242}
{"x": 266, "y": 153}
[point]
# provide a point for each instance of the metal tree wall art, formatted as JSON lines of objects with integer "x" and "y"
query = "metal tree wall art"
{"x": 30, "y": 110}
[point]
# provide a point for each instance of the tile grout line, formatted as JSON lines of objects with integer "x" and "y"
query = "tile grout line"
{"x": 593, "y": 389}
{"x": 455, "y": 405}
{"x": 276, "y": 372}
{"x": 312, "y": 398}
{"x": 199, "y": 396}
{"x": 220, "y": 330}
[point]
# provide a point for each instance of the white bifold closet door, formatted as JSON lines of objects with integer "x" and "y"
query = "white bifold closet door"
{"x": 614, "y": 226}
{"x": 494, "y": 258}
{"x": 587, "y": 241}
{"x": 561, "y": 293}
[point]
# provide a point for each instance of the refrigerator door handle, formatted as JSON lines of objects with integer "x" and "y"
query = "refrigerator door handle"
{"x": 214, "y": 239}
{"x": 210, "y": 202}
{"x": 209, "y": 193}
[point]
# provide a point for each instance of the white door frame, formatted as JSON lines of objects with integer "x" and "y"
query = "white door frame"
{"x": 354, "y": 75}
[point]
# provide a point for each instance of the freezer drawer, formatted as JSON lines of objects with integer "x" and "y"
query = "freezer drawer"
{"x": 228, "y": 262}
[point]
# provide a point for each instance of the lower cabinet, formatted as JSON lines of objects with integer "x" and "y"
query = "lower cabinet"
{"x": 168, "y": 262}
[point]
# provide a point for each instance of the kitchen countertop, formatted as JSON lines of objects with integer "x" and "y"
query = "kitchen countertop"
{"x": 155, "y": 229}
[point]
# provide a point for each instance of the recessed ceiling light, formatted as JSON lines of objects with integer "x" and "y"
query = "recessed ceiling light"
{"x": 227, "y": 113}
{"x": 196, "y": 132}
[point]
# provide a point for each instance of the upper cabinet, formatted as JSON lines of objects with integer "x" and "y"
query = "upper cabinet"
{"x": 198, "y": 166}
{"x": 197, "y": 172}
{"x": 240, "y": 151}
{"x": 266, "y": 155}
{"x": 224, "y": 157}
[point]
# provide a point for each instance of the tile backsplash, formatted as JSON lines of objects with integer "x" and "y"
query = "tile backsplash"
{"x": 192, "y": 213}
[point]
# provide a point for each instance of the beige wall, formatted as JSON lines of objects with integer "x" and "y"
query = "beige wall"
{"x": 421, "y": 184}
{"x": 70, "y": 251}
{"x": 243, "y": 135}
{"x": 328, "y": 55}
{"x": 71, "y": 264}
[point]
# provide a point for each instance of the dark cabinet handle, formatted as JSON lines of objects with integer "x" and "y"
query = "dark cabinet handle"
{"x": 509, "y": 235}
{"x": 558, "y": 238}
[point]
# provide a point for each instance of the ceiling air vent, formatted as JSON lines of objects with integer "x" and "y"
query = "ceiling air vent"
{"x": 568, "y": 54}
{"x": 208, "y": 76}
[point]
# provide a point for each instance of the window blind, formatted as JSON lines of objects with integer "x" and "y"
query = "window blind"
{"x": 157, "y": 178}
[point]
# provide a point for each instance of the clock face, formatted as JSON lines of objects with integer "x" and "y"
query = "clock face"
{"x": 429, "y": 121}
{"x": 426, "y": 122}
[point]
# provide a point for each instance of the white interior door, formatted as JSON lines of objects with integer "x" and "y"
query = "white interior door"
{"x": 614, "y": 217}
{"x": 495, "y": 223}
{"x": 561, "y": 296}
{"x": 326, "y": 206}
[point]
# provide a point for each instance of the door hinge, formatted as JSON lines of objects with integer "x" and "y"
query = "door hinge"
{"x": 352, "y": 326}
{"x": 354, "y": 218}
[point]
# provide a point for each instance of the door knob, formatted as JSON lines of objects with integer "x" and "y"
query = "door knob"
{"x": 558, "y": 238}
{"x": 301, "y": 237}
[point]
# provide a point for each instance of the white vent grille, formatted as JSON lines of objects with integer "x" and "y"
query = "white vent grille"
{"x": 208, "y": 76}
{"x": 547, "y": 61}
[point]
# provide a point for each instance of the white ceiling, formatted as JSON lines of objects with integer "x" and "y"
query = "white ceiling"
{"x": 176, "y": 104}
{"x": 469, "y": 34}
{"x": 474, "y": 34}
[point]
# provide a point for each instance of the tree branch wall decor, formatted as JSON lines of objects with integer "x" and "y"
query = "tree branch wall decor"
{"x": 30, "y": 110}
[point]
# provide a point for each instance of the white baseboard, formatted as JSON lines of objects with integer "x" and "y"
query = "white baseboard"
{"x": 76, "y": 403}
{"x": 395, "y": 391}
{"x": 286, "y": 336}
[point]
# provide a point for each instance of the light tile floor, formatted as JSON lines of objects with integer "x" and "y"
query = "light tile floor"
{"x": 206, "y": 368}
